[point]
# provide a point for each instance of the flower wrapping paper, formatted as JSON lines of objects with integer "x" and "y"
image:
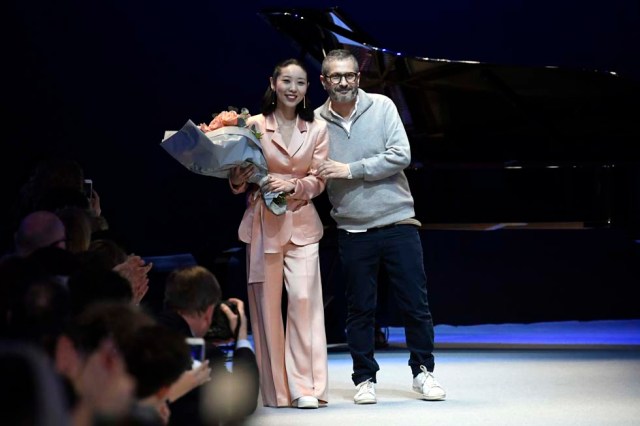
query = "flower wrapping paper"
{"x": 216, "y": 152}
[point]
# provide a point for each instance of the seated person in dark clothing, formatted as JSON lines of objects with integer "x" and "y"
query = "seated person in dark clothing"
{"x": 91, "y": 284}
{"x": 119, "y": 365}
{"x": 39, "y": 229}
{"x": 156, "y": 357}
{"x": 191, "y": 295}
{"x": 89, "y": 355}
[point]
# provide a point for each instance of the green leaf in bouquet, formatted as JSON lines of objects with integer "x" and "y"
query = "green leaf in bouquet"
{"x": 255, "y": 132}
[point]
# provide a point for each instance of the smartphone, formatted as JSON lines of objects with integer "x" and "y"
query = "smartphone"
{"x": 196, "y": 347}
{"x": 88, "y": 188}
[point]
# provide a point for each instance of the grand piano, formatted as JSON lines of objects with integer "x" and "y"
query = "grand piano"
{"x": 493, "y": 143}
{"x": 503, "y": 148}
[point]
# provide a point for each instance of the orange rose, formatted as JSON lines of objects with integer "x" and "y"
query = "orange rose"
{"x": 228, "y": 118}
{"x": 225, "y": 118}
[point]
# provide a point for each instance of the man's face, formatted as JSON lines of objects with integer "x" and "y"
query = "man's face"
{"x": 206, "y": 318}
{"x": 335, "y": 81}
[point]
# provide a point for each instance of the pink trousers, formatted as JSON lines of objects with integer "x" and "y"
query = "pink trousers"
{"x": 292, "y": 363}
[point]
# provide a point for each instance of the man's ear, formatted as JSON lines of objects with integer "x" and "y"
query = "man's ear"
{"x": 209, "y": 311}
{"x": 67, "y": 359}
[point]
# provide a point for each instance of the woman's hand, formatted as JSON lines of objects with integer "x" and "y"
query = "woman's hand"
{"x": 135, "y": 270}
{"x": 274, "y": 184}
{"x": 240, "y": 175}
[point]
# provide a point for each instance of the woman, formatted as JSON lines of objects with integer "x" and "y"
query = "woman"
{"x": 284, "y": 248}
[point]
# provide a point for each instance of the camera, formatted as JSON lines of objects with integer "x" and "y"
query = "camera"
{"x": 220, "y": 328}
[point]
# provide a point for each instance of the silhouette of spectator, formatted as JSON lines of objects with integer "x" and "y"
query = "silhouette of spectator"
{"x": 39, "y": 312}
{"x": 33, "y": 295}
{"x": 118, "y": 361}
{"x": 192, "y": 294}
{"x": 157, "y": 357}
{"x": 39, "y": 229}
{"x": 77, "y": 223}
{"x": 58, "y": 183}
{"x": 33, "y": 394}
{"x": 109, "y": 254}
{"x": 88, "y": 355}
{"x": 92, "y": 284}
{"x": 53, "y": 178}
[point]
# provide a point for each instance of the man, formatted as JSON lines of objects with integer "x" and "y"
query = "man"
{"x": 39, "y": 229}
{"x": 120, "y": 365}
{"x": 191, "y": 295}
{"x": 373, "y": 208}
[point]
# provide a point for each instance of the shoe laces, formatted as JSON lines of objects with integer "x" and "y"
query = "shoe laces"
{"x": 366, "y": 386}
{"x": 428, "y": 377}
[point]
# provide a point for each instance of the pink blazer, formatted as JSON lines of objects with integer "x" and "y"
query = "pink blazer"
{"x": 300, "y": 224}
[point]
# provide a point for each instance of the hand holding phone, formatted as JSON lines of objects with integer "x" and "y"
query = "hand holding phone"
{"x": 88, "y": 188}
{"x": 196, "y": 347}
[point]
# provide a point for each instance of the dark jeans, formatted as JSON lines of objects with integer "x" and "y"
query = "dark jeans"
{"x": 399, "y": 249}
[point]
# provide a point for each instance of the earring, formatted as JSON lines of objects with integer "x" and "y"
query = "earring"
{"x": 273, "y": 98}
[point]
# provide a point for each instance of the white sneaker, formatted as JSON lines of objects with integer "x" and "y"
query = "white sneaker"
{"x": 306, "y": 402}
{"x": 428, "y": 386}
{"x": 366, "y": 393}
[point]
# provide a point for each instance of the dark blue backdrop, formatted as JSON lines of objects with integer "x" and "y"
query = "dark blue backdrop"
{"x": 101, "y": 82}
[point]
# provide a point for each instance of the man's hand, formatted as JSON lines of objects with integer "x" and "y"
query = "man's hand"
{"x": 233, "y": 318}
{"x": 189, "y": 380}
{"x": 330, "y": 169}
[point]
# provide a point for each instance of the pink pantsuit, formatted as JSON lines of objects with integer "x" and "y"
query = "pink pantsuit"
{"x": 284, "y": 249}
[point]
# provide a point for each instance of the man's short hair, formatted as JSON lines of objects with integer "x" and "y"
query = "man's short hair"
{"x": 156, "y": 356}
{"x": 191, "y": 289}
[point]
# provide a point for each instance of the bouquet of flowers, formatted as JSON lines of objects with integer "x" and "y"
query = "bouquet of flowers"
{"x": 214, "y": 149}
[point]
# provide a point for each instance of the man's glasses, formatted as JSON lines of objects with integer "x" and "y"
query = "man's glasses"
{"x": 337, "y": 78}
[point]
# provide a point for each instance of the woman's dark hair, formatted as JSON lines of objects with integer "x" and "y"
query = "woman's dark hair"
{"x": 270, "y": 100}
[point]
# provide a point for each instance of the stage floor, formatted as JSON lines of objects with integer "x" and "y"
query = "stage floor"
{"x": 565, "y": 373}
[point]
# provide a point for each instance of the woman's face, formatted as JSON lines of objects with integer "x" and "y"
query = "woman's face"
{"x": 290, "y": 86}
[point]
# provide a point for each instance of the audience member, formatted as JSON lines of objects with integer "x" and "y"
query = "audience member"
{"x": 58, "y": 183}
{"x": 39, "y": 229}
{"x": 91, "y": 284}
{"x": 55, "y": 183}
{"x": 31, "y": 391}
{"x": 157, "y": 357}
{"x": 34, "y": 301}
{"x": 38, "y": 313}
{"x": 88, "y": 355}
{"x": 106, "y": 253}
{"x": 120, "y": 364}
{"x": 191, "y": 295}
{"x": 77, "y": 223}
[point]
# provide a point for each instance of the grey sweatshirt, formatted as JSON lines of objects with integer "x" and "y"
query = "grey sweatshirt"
{"x": 377, "y": 151}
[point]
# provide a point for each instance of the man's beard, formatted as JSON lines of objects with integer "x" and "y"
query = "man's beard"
{"x": 342, "y": 97}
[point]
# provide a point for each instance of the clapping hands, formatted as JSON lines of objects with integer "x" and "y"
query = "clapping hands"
{"x": 135, "y": 270}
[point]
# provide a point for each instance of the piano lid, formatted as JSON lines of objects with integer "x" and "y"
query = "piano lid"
{"x": 484, "y": 114}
